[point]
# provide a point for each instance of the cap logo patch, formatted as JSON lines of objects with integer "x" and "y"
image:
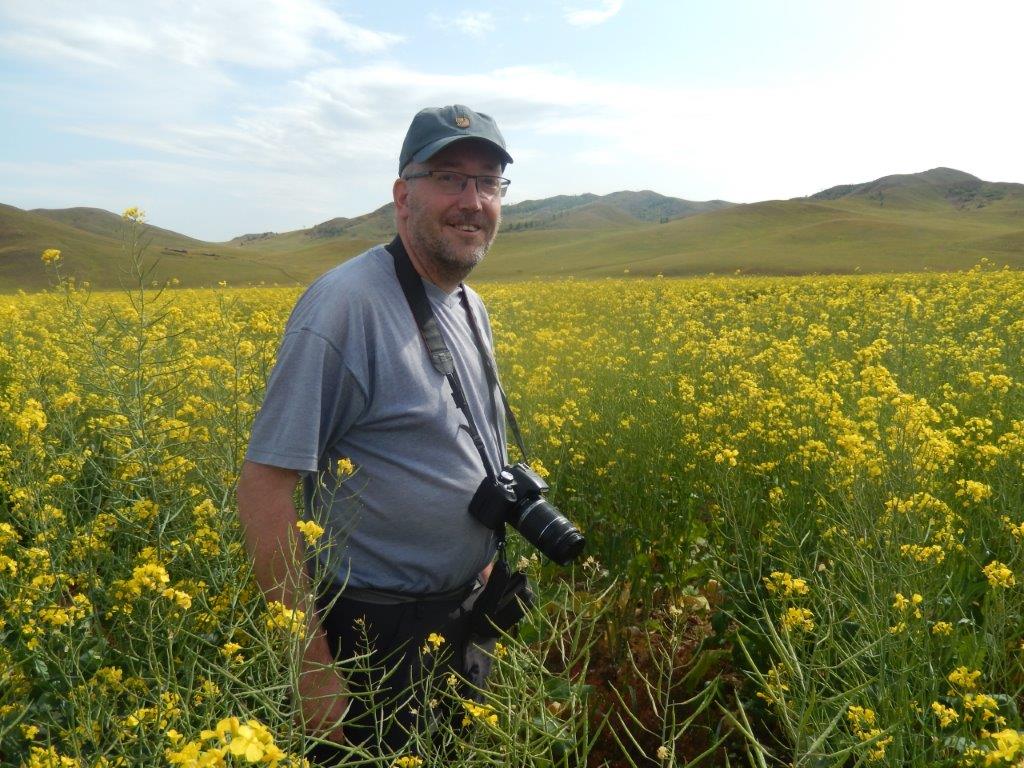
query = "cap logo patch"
{"x": 462, "y": 121}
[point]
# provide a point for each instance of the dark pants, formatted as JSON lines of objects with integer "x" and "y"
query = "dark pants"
{"x": 392, "y": 675}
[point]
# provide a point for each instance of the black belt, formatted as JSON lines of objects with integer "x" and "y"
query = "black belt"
{"x": 395, "y": 597}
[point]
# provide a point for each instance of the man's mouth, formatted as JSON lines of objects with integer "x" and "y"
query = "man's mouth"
{"x": 465, "y": 227}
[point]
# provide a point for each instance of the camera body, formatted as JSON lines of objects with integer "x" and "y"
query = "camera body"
{"x": 516, "y": 497}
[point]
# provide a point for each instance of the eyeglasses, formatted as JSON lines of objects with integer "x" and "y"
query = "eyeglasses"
{"x": 453, "y": 183}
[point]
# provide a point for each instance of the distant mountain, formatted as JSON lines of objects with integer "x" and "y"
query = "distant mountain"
{"x": 939, "y": 219}
{"x": 618, "y": 209}
{"x": 939, "y": 186}
{"x": 377, "y": 225}
{"x": 650, "y": 206}
{"x": 107, "y": 224}
{"x": 615, "y": 209}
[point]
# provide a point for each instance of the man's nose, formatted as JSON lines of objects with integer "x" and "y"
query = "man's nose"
{"x": 469, "y": 197}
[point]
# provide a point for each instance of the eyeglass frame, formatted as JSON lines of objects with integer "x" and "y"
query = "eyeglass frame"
{"x": 503, "y": 183}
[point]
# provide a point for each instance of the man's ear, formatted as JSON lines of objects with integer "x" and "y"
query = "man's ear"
{"x": 400, "y": 194}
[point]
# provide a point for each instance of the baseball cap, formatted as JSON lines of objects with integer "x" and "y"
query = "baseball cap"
{"x": 435, "y": 128}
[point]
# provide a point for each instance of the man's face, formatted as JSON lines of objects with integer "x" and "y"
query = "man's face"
{"x": 453, "y": 231}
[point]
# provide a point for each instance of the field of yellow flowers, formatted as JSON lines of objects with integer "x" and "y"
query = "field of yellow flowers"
{"x": 824, "y": 474}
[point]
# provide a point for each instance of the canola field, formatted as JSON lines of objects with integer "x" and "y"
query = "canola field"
{"x": 803, "y": 499}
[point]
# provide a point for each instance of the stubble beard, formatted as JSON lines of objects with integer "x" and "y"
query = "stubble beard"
{"x": 429, "y": 243}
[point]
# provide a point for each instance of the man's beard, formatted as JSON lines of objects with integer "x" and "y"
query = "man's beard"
{"x": 450, "y": 261}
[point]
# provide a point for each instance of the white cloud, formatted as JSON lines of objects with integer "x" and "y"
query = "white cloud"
{"x": 321, "y": 139}
{"x": 473, "y": 23}
{"x": 264, "y": 34}
{"x": 589, "y": 17}
{"x": 336, "y": 133}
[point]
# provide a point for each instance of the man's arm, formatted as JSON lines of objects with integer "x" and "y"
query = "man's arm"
{"x": 267, "y": 514}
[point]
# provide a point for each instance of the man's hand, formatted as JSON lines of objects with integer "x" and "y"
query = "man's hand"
{"x": 268, "y": 518}
{"x": 323, "y": 701}
{"x": 485, "y": 574}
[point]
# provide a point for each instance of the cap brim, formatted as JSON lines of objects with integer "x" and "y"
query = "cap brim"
{"x": 436, "y": 146}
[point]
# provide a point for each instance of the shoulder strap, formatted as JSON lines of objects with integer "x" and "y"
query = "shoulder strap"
{"x": 492, "y": 373}
{"x": 440, "y": 356}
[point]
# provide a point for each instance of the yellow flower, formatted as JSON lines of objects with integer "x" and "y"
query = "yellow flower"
{"x": 480, "y": 712}
{"x": 50, "y": 758}
{"x": 860, "y": 717}
{"x": 727, "y": 456}
{"x": 225, "y": 727}
{"x": 923, "y": 554}
{"x": 1009, "y": 746}
{"x": 51, "y": 256}
{"x": 280, "y": 616}
{"x": 408, "y": 761}
{"x": 964, "y": 679}
{"x": 246, "y": 743}
{"x": 434, "y": 641}
{"x": 972, "y": 491}
{"x": 310, "y": 530}
{"x": 981, "y": 701}
{"x": 780, "y": 582}
{"x": 250, "y": 741}
{"x": 345, "y": 468}
{"x": 189, "y": 755}
{"x": 999, "y": 575}
{"x": 942, "y": 628}
{"x": 775, "y": 688}
{"x": 182, "y": 599}
{"x": 134, "y": 214}
{"x": 862, "y": 722}
{"x": 946, "y": 715}
{"x": 877, "y": 750}
{"x": 798, "y": 618}
{"x": 148, "y": 576}
{"x": 144, "y": 510}
{"x": 231, "y": 651}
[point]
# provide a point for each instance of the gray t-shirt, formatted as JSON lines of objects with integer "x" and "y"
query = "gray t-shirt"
{"x": 353, "y": 380}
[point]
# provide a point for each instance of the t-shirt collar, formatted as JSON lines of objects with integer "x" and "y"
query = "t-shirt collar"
{"x": 438, "y": 294}
{"x": 434, "y": 292}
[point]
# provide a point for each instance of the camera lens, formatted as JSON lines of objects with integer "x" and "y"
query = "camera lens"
{"x": 541, "y": 524}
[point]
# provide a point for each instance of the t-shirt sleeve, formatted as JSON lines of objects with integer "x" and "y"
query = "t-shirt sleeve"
{"x": 312, "y": 399}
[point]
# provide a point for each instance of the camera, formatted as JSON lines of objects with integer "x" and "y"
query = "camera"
{"x": 516, "y": 497}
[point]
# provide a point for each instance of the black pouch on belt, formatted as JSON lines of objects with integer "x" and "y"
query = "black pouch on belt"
{"x": 502, "y": 603}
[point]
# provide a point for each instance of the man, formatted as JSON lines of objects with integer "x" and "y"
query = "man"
{"x": 354, "y": 380}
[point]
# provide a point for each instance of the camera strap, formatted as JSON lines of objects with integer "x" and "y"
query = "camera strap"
{"x": 490, "y": 369}
{"x": 441, "y": 356}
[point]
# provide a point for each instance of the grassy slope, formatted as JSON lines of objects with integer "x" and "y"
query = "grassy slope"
{"x": 777, "y": 237}
{"x": 900, "y": 223}
{"x": 107, "y": 224}
{"x": 95, "y": 257}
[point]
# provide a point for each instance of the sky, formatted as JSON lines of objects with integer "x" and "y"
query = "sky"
{"x": 236, "y": 116}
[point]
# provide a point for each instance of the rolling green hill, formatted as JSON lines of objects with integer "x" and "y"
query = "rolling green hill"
{"x": 97, "y": 258}
{"x": 107, "y": 224}
{"x": 939, "y": 220}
